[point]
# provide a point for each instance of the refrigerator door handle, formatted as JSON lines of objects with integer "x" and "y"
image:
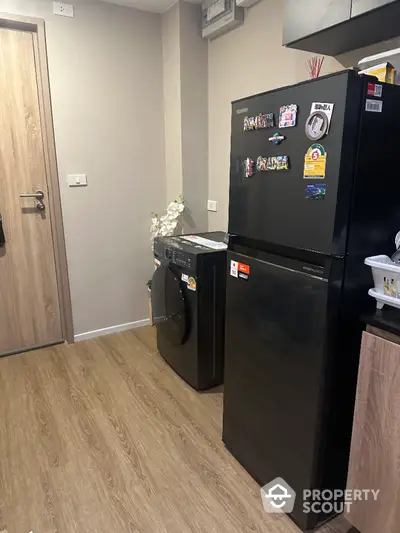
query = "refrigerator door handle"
{"x": 306, "y": 274}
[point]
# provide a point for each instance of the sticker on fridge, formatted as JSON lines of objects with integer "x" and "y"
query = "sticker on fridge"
{"x": 240, "y": 270}
{"x": 315, "y": 191}
{"x": 191, "y": 283}
{"x": 288, "y": 116}
{"x": 315, "y": 162}
{"x": 234, "y": 269}
{"x": 374, "y": 106}
{"x": 374, "y": 89}
{"x": 244, "y": 271}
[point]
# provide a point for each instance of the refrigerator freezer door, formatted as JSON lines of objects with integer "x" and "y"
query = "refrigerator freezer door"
{"x": 272, "y": 206}
{"x": 276, "y": 330}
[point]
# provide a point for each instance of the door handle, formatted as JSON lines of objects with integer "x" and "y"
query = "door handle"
{"x": 39, "y": 197}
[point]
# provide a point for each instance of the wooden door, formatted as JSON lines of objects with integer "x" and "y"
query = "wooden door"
{"x": 29, "y": 304}
{"x": 375, "y": 449}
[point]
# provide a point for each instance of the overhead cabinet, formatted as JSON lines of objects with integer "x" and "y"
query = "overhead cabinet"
{"x": 305, "y": 17}
{"x": 332, "y": 27}
{"x": 363, "y": 6}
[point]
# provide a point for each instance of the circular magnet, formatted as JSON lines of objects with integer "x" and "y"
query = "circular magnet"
{"x": 317, "y": 125}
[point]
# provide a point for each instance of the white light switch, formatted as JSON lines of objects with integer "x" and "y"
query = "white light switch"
{"x": 77, "y": 180}
{"x": 65, "y": 10}
{"x": 212, "y": 205}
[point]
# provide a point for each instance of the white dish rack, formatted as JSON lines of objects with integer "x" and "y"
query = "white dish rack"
{"x": 386, "y": 279}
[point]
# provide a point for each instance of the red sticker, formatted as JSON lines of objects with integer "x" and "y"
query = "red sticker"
{"x": 374, "y": 89}
{"x": 244, "y": 268}
{"x": 240, "y": 270}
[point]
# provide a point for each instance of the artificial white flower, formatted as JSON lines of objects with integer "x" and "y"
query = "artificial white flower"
{"x": 167, "y": 223}
{"x": 170, "y": 227}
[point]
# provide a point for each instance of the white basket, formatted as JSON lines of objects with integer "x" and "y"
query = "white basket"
{"x": 386, "y": 279}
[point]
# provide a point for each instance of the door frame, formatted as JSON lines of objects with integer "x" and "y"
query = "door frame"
{"x": 37, "y": 27}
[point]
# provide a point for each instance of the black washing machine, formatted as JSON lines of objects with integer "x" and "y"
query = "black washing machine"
{"x": 188, "y": 305}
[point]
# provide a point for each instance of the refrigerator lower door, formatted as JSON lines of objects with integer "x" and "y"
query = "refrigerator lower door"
{"x": 275, "y": 359}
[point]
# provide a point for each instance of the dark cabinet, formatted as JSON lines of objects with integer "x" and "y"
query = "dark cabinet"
{"x": 332, "y": 27}
{"x": 363, "y": 6}
{"x": 305, "y": 17}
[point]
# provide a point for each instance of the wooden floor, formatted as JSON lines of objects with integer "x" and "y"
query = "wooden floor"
{"x": 103, "y": 437}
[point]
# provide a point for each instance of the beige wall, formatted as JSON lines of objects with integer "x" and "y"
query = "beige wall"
{"x": 247, "y": 60}
{"x": 194, "y": 83}
{"x": 172, "y": 102}
{"x": 106, "y": 83}
{"x": 185, "y": 75}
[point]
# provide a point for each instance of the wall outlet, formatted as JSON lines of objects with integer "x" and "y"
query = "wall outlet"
{"x": 65, "y": 10}
{"x": 212, "y": 205}
{"x": 77, "y": 180}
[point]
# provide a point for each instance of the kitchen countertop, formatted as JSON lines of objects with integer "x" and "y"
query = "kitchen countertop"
{"x": 387, "y": 319}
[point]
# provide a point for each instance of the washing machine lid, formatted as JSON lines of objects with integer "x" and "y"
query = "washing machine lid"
{"x": 168, "y": 306}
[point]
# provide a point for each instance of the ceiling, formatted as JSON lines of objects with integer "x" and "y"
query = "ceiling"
{"x": 156, "y": 6}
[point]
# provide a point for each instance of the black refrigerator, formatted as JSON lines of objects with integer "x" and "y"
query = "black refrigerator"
{"x": 296, "y": 280}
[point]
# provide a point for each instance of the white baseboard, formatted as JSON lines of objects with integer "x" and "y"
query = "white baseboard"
{"x": 111, "y": 329}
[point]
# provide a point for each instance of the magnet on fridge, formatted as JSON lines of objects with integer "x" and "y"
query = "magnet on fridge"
{"x": 288, "y": 116}
{"x": 315, "y": 162}
{"x": 280, "y": 162}
{"x": 272, "y": 163}
{"x": 261, "y": 121}
{"x": 248, "y": 167}
{"x": 270, "y": 120}
{"x": 316, "y": 191}
{"x": 326, "y": 108}
{"x": 317, "y": 125}
{"x": 252, "y": 123}
{"x": 262, "y": 163}
{"x": 277, "y": 138}
{"x": 246, "y": 124}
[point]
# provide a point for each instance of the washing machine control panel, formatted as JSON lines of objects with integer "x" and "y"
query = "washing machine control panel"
{"x": 178, "y": 257}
